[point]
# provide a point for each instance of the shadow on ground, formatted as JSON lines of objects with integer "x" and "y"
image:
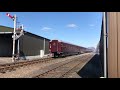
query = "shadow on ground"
{"x": 93, "y": 69}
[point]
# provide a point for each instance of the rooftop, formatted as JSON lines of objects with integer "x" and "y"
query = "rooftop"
{"x": 5, "y": 29}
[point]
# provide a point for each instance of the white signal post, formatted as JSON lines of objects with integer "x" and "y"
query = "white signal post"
{"x": 14, "y": 34}
{"x": 21, "y": 33}
{"x": 18, "y": 49}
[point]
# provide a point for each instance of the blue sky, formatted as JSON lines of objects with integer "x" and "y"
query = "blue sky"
{"x": 80, "y": 28}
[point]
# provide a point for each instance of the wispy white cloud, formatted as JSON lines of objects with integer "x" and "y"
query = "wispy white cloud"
{"x": 46, "y": 28}
{"x": 91, "y": 25}
{"x": 72, "y": 25}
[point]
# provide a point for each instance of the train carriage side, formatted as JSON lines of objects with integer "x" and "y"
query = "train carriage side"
{"x": 69, "y": 49}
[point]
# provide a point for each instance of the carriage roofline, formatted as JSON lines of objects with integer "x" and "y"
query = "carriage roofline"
{"x": 68, "y": 43}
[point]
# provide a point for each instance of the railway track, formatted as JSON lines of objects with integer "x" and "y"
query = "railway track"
{"x": 62, "y": 69}
{"x": 74, "y": 68}
{"x": 13, "y": 66}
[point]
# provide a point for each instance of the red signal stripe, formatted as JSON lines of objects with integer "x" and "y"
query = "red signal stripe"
{"x": 9, "y": 15}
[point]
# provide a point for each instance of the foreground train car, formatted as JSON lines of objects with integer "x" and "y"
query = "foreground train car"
{"x": 113, "y": 51}
{"x": 60, "y": 49}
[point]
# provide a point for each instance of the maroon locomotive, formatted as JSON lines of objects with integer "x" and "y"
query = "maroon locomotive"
{"x": 60, "y": 48}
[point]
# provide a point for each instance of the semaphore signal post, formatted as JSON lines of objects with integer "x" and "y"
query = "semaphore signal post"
{"x": 15, "y": 36}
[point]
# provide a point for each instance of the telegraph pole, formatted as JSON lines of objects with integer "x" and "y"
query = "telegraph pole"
{"x": 14, "y": 34}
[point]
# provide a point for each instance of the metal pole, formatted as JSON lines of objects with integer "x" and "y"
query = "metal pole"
{"x": 13, "y": 54}
{"x": 104, "y": 29}
{"x": 18, "y": 48}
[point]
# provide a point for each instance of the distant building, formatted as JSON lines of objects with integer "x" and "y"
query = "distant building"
{"x": 29, "y": 44}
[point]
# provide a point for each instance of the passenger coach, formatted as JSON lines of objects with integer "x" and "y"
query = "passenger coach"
{"x": 60, "y": 48}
